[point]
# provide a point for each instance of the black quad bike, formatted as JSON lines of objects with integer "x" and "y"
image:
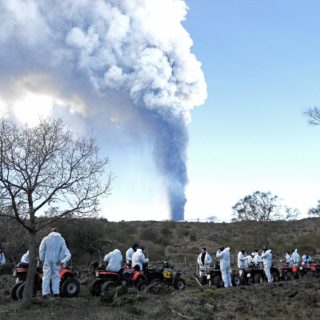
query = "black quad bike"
{"x": 69, "y": 283}
{"x": 213, "y": 277}
{"x": 165, "y": 274}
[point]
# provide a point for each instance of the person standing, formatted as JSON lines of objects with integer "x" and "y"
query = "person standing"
{"x": 2, "y": 257}
{"x": 242, "y": 262}
{"x": 204, "y": 261}
{"x": 224, "y": 255}
{"x": 52, "y": 250}
{"x": 267, "y": 262}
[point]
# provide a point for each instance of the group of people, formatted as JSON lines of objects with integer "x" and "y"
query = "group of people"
{"x": 259, "y": 257}
{"x": 293, "y": 258}
{"x": 134, "y": 257}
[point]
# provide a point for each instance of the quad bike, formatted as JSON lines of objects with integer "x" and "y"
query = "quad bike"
{"x": 252, "y": 274}
{"x": 69, "y": 284}
{"x": 165, "y": 274}
{"x": 309, "y": 268}
{"x": 213, "y": 276}
{"x": 108, "y": 280}
{"x": 289, "y": 271}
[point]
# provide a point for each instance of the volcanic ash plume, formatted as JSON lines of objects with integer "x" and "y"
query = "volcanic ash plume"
{"x": 90, "y": 50}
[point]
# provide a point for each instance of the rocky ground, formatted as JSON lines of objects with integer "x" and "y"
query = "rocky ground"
{"x": 296, "y": 299}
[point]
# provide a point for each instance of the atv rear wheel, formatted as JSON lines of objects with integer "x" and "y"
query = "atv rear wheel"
{"x": 258, "y": 278}
{"x": 288, "y": 276}
{"x": 142, "y": 285}
{"x": 108, "y": 286}
{"x": 13, "y": 291}
{"x": 95, "y": 287}
{"x": 218, "y": 282}
{"x": 20, "y": 290}
{"x": 236, "y": 280}
{"x": 275, "y": 276}
{"x": 70, "y": 288}
{"x": 179, "y": 284}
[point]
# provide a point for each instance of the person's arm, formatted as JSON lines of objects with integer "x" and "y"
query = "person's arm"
{"x": 42, "y": 250}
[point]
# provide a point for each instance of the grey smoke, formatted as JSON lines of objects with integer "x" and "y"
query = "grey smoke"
{"x": 89, "y": 51}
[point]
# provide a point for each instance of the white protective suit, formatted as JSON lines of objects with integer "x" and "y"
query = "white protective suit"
{"x": 288, "y": 257}
{"x": 257, "y": 259}
{"x": 241, "y": 260}
{"x": 207, "y": 263}
{"x": 2, "y": 258}
{"x": 25, "y": 257}
{"x": 66, "y": 258}
{"x": 139, "y": 259}
{"x": 129, "y": 254}
{"x": 306, "y": 259}
{"x": 224, "y": 257}
{"x": 51, "y": 251}
{"x": 113, "y": 260}
{"x": 267, "y": 262}
{"x": 295, "y": 257}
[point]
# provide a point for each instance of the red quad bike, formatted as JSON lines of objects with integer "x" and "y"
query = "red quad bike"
{"x": 69, "y": 284}
{"x": 107, "y": 280}
{"x": 289, "y": 272}
{"x": 309, "y": 268}
{"x": 165, "y": 274}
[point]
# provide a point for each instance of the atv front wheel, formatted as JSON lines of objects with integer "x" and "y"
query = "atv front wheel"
{"x": 13, "y": 291}
{"x": 218, "y": 282}
{"x": 95, "y": 287}
{"x": 236, "y": 280}
{"x": 70, "y": 288}
{"x": 108, "y": 286}
{"x": 179, "y": 284}
{"x": 142, "y": 285}
{"x": 20, "y": 290}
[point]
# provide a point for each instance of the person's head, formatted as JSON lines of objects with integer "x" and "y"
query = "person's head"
{"x": 203, "y": 249}
{"x": 243, "y": 251}
{"x": 135, "y": 247}
{"x": 221, "y": 248}
{"x": 54, "y": 230}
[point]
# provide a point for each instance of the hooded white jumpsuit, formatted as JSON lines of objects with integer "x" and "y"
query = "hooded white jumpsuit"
{"x": 295, "y": 257}
{"x": 207, "y": 263}
{"x": 129, "y": 254}
{"x": 113, "y": 260}
{"x": 51, "y": 251}
{"x": 242, "y": 262}
{"x": 267, "y": 261}
{"x": 224, "y": 257}
{"x": 25, "y": 257}
{"x": 138, "y": 258}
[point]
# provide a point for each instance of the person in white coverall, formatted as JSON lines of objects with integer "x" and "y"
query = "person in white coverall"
{"x": 242, "y": 261}
{"x": 139, "y": 259}
{"x": 25, "y": 258}
{"x": 2, "y": 257}
{"x": 51, "y": 252}
{"x": 224, "y": 255}
{"x": 295, "y": 257}
{"x": 113, "y": 260}
{"x": 204, "y": 260}
{"x": 130, "y": 252}
{"x": 267, "y": 262}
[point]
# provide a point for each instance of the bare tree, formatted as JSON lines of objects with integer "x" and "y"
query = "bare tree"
{"x": 47, "y": 169}
{"x": 313, "y": 115}
{"x": 259, "y": 206}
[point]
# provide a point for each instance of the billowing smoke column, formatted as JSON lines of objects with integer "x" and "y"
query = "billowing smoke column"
{"x": 73, "y": 50}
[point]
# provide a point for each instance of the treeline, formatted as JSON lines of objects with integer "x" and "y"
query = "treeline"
{"x": 180, "y": 242}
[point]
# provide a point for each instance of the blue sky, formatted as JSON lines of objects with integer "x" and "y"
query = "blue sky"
{"x": 261, "y": 63}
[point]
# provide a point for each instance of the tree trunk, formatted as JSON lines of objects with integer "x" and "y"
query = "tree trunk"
{"x": 28, "y": 290}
